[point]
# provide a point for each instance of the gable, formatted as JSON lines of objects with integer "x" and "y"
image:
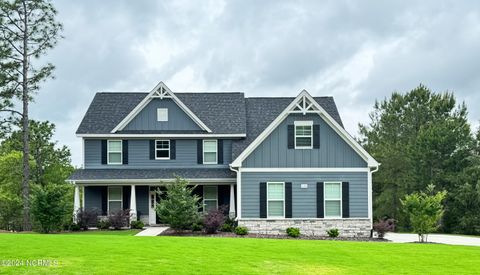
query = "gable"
{"x": 333, "y": 151}
{"x": 146, "y": 119}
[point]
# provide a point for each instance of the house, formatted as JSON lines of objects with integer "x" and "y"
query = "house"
{"x": 275, "y": 162}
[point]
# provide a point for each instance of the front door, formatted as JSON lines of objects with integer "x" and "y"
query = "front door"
{"x": 152, "y": 214}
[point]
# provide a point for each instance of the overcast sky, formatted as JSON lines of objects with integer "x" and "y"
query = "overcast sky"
{"x": 356, "y": 51}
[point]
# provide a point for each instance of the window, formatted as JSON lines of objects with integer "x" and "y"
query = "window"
{"x": 162, "y": 149}
{"x": 275, "y": 200}
{"x": 115, "y": 201}
{"x": 210, "y": 152}
{"x": 210, "y": 198}
{"x": 303, "y": 134}
{"x": 162, "y": 114}
{"x": 333, "y": 199}
{"x": 114, "y": 150}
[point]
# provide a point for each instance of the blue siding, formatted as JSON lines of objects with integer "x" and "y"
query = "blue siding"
{"x": 304, "y": 201}
{"x": 93, "y": 197}
{"x": 142, "y": 194}
{"x": 139, "y": 155}
{"x": 147, "y": 118}
{"x": 333, "y": 151}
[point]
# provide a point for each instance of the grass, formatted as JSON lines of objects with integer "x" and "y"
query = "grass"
{"x": 117, "y": 252}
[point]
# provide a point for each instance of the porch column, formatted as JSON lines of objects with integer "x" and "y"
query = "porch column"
{"x": 76, "y": 202}
{"x": 231, "y": 212}
{"x": 133, "y": 204}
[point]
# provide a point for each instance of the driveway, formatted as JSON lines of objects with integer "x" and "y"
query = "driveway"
{"x": 435, "y": 238}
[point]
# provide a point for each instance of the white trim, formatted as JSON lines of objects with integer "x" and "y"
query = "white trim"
{"x": 203, "y": 197}
{"x": 239, "y": 191}
{"x": 158, "y": 182}
{"x": 160, "y": 91}
{"x": 161, "y": 135}
{"x": 108, "y": 152}
{"x": 303, "y": 123}
{"x": 156, "y": 149}
{"x": 216, "y": 151}
{"x": 83, "y": 197}
{"x": 325, "y": 200}
{"x": 328, "y": 119}
{"x": 108, "y": 198}
{"x": 162, "y": 114}
{"x": 291, "y": 169}
{"x": 83, "y": 153}
{"x": 283, "y": 200}
{"x": 152, "y": 215}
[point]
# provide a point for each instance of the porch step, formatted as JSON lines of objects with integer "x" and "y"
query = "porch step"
{"x": 152, "y": 231}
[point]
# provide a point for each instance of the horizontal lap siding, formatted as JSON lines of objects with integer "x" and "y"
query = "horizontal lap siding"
{"x": 139, "y": 156}
{"x": 333, "y": 151}
{"x": 142, "y": 199}
{"x": 304, "y": 200}
{"x": 93, "y": 197}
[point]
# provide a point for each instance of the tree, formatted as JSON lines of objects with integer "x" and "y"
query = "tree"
{"x": 424, "y": 209}
{"x": 179, "y": 208}
{"x": 420, "y": 138}
{"x": 49, "y": 206}
{"x": 28, "y": 30}
{"x": 10, "y": 191}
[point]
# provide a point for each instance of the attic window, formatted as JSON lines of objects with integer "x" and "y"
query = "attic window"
{"x": 162, "y": 114}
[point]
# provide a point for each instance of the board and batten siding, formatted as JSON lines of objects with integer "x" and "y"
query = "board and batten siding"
{"x": 304, "y": 201}
{"x": 147, "y": 118}
{"x": 139, "y": 155}
{"x": 333, "y": 151}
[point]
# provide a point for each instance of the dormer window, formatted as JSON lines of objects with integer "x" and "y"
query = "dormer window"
{"x": 162, "y": 114}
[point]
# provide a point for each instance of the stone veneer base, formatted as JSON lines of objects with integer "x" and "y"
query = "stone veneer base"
{"x": 351, "y": 227}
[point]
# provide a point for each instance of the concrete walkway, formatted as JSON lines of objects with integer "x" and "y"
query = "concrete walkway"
{"x": 152, "y": 231}
{"x": 434, "y": 238}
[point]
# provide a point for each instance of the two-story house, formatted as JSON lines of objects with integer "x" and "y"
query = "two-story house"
{"x": 275, "y": 162}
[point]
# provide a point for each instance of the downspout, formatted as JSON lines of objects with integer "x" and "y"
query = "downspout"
{"x": 370, "y": 195}
{"x": 239, "y": 196}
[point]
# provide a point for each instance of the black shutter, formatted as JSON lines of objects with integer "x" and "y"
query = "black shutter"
{"x": 104, "y": 151}
{"x": 263, "y": 199}
{"x": 126, "y": 196}
{"x": 125, "y": 151}
{"x": 220, "y": 151}
{"x": 320, "y": 213}
{"x": 152, "y": 149}
{"x": 104, "y": 200}
{"x": 345, "y": 200}
{"x": 173, "y": 149}
{"x": 288, "y": 199}
{"x": 291, "y": 136}
{"x": 198, "y": 190}
{"x": 224, "y": 197}
{"x": 199, "y": 151}
{"x": 316, "y": 136}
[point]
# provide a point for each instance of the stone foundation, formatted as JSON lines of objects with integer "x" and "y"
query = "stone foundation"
{"x": 311, "y": 227}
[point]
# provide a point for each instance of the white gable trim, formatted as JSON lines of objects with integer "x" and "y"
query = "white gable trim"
{"x": 304, "y": 103}
{"x": 160, "y": 91}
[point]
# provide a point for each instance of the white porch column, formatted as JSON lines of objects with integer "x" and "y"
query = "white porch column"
{"x": 133, "y": 204}
{"x": 76, "y": 202}
{"x": 231, "y": 211}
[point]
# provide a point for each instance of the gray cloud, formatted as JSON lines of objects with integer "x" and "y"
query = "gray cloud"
{"x": 356, "y": 51}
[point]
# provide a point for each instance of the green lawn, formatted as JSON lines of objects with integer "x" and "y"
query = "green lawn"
{"x": 120, "y": 252}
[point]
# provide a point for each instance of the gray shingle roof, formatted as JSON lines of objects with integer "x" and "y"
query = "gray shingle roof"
{"x": 165, "y": 173}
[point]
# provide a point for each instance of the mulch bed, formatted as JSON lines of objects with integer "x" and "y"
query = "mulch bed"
{"x": 189, "y": 233}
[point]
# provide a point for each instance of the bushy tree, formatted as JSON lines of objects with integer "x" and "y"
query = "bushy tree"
{"x": 180, "y": 207}
{"x": 49, "y": 207}
{"x": 424, "y": 210}
{"x": 214, "y": 219}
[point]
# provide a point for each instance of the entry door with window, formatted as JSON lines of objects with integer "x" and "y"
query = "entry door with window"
{"x": 152, "y": 201}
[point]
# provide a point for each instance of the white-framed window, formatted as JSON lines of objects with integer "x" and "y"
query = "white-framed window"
{"x": 162, "y": 149}
{"x": 275, "y": 199}
{"x": 114, "y": 152}
{"x": 303, "y": 134}
{"x": 210, "y": 198}
{"x": 333, "y": 199}
{"x": 162, "y": 114}
{"x": 210, "y": 151}
{"x": 115, "y": 199}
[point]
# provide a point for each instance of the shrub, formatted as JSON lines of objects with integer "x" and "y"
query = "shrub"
{"x": 383, "y": 226}
{"x": 179, "y": 208}
{"x": 103, "y": 224}
{"x": 137, "y": 225}
{"x": 86, "y": 218}
{"x": 119, "y": 219}
{"x": 424, "y": 209}
{"x": 241, "y": 230}
{"x": 333, "y": 233}
{"x": 214, "y": 220}
{"x": 197, "y": 227}
{"x": 226, "y": 228}
{"x": 49, "y": 207}
{"x": 293, "y": 232}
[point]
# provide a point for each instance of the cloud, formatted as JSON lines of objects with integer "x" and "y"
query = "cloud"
{"x": 357, "y": 51}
